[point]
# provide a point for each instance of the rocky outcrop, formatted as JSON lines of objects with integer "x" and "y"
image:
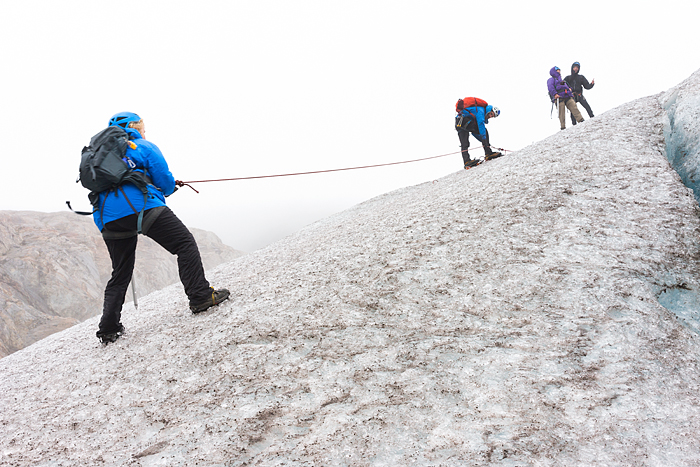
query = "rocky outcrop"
{"x": 54, "y": 266}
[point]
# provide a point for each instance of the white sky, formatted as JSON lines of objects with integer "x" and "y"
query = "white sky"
{"x": 233, "y": 89}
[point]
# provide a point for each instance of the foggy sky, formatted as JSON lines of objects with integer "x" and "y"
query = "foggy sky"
{"x": 236, "y": 89}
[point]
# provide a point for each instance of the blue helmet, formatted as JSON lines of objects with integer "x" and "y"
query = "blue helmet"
{"x": 122, "y": 119}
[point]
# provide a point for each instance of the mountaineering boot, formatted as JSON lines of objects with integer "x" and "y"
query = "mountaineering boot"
{"x": 109, "y": 337}
{"x": 493, "y": 155}
{"x": 217, "y": 296}
{"x": 471, "y": 164}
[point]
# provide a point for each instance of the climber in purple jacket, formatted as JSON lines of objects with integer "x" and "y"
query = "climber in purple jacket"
{"x": 561, "y": 94}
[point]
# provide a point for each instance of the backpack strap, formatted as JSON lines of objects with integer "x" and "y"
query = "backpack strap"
{"x": 139, "y": 222}
{"x": 141, "y": 180}
{"x": 82, "y": 213}
{"x": 149, "y": 218}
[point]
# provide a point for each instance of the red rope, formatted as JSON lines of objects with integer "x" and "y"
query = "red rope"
{"x": 179, "y": 183}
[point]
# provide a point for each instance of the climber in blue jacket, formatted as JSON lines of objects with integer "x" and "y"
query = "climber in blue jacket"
{"x": 122, "y": 213}
{"x": 142, "y": 156}
{"x": 473, "y": 115}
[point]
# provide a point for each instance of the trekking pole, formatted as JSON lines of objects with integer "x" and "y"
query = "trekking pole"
{"x": 133, "y": 290}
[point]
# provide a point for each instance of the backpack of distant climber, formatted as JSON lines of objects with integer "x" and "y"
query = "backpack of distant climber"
{"x": 464, "y": 116}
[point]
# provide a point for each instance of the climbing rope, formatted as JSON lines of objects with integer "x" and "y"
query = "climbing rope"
{"x": 188, "y": 183}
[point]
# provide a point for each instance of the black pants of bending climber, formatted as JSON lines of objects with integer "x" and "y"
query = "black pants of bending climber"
{"x": 464, "y": 140}
{"x": 170, "y": 233}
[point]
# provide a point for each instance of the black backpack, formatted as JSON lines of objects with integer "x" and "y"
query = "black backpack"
{"x": 103, "y": 163}
{"x": 105, "y": 167}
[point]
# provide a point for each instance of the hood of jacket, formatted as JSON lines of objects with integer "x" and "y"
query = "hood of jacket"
{"x": 572, "y": 68}
{"x": 133, "y": 133}
{"x": 553, "y": 72}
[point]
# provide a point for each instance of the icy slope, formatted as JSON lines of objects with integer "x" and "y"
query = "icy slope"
{"x": 506, "y": 315}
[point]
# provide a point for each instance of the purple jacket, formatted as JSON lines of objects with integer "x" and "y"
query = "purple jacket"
{"x": 556, "y": 85}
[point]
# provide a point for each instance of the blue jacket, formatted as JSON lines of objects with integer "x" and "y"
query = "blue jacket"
{"x": 480, "y": 114}
{"x": 146, "y": 158}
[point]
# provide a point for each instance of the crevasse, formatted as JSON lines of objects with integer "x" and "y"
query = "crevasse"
{"x": 682, "y": 135}
{"x": 682, "y": 144}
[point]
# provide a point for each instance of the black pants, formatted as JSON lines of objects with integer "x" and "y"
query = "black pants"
{"x": 170, "y": 233}
{"x": 464, "y": 140}
{"x": 582, "y": 100}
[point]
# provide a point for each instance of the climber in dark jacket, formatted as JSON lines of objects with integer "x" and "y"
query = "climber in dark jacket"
{"x": 578, "y": 83}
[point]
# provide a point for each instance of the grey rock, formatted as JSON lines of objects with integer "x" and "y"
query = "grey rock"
{"x": 54, "y": 267}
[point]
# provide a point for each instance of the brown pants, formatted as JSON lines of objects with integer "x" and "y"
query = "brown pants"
{"x": 569, "y": 103}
